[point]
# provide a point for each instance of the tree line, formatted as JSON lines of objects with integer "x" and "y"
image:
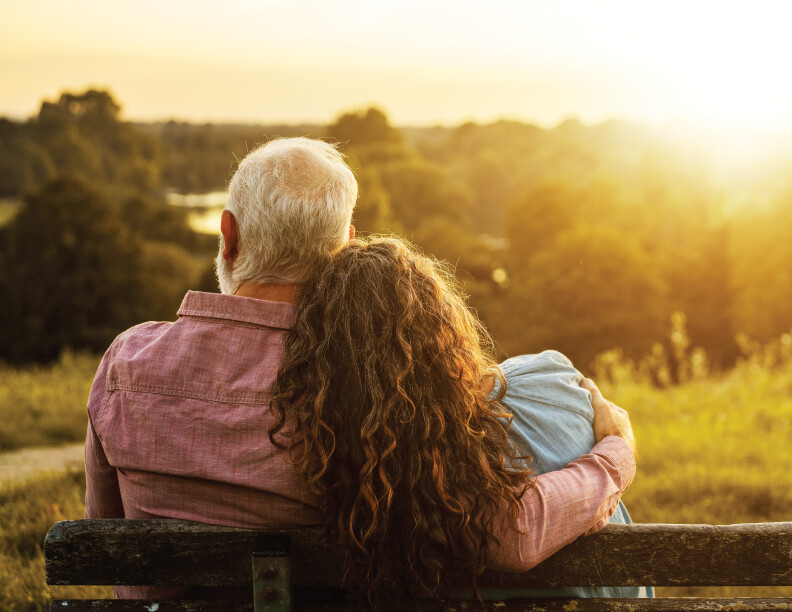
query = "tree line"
{"x": 579, "y": 238}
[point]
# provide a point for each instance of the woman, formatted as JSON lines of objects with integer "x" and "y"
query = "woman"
{"x": 383, "y": 398}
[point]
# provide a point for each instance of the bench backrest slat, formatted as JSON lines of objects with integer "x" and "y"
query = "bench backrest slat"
{"x": 675, "y": 604}
{"x": 157, "y": 552}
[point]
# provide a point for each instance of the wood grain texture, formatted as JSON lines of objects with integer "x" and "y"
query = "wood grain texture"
{"x": 681, "y": 604}
{"x": 157, "y": 552}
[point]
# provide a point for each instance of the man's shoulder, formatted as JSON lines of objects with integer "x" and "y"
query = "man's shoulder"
{"x": 138, "y": 336}
{"x": 126, "y": 344}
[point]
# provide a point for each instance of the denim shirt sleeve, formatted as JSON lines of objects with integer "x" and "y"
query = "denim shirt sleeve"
{"x": 552, "y": 413}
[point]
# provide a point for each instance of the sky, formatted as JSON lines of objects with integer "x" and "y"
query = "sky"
{"x": 721, "y": 65}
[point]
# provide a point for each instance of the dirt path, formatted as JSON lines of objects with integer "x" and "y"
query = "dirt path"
{"x": 19, "y": 464}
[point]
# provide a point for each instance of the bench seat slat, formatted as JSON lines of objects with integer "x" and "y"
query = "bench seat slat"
{"x": 158, "y": 552}
{"x": 667, "y": 604}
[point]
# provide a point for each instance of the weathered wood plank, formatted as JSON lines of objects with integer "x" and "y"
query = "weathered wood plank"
{"x": 758, "y": 554}
{"x": 681, "y": 604}
{"x": 179, "y": 552}
{"x": 140, "y": 605}
{"x": 172, "y": 552}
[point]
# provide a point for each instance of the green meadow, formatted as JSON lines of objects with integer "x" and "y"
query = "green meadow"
{"x": 44, "y": 405}
{"x": 714, "y": 449}
{"x": 27, "y": 510}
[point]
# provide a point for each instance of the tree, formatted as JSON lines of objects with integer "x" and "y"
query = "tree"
{"x": 420, "y": 190}
{"x": 592, "y": 290}
{"x": 85, "y": 136}
{"x": 364, "y": 127}
{"x": 761, "y": 272}
{"x": 169, "y": 272}
{"x": 71, "y": 274}
{"x": 535, "y": 220}
{"x": 373, "y": 210}
{"x": 368, "y": 138}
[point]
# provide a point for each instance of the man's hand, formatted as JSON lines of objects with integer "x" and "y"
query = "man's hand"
{"x": 609, "y": 419}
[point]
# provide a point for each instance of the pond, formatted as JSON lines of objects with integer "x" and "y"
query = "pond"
{"x": 205, "y": 209}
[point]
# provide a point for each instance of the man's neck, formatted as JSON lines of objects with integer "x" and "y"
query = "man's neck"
{"x": 274, "y": 292}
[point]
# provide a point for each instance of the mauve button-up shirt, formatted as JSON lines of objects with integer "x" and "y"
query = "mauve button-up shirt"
{"x": 178, "y": 420}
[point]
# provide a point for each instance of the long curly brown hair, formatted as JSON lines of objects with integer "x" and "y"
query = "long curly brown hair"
{"x": 380, "y": 399}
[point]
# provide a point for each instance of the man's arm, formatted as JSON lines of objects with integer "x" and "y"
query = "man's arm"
{"x": 102, "y": 495}
{"x": 577, "y": 500}
{"x": 565, "y": 504}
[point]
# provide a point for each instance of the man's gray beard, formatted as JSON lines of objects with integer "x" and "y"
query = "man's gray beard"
{"x": 223, "y": 270}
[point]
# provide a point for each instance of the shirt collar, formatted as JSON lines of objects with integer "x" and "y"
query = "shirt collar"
{"x": 279, "y": 315}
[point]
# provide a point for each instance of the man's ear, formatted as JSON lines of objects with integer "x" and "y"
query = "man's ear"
{"x": 351, "y": 232}
{"x": 228, "y": 227}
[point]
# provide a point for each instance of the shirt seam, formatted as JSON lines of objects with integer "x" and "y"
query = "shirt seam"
{"x": 224, "y": 399}
{"x": 552, "y": 405}
{"x": 101, "y": 411}
{"x": 233, "y": 322}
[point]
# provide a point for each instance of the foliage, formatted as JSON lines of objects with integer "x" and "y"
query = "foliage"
{"x": 593, "y": 288}
{"x": 8, "y": 210}
{"x": 80, "y": 275}
{"x": 93, "y": 247}
{"x": 75, "y": 276}
{"x": 201, "y": 158}
{"x": 169, "y": 271}
{"x": 761, "y": 278}
{"x": 364, "y": 127}
{"x": 715, "y": 449}
{"x": 82, "y": 135}
{"x": 150, "y": 219}
{"x": 534, "y": 186}
{"x": 582, "y": 238}
{"x": 507, "y": 202}
{"x": 27, "y": 510}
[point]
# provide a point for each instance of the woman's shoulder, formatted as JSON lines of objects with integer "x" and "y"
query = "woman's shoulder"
{"x": 551, "y": 364}
{"x": 547, "y": 378}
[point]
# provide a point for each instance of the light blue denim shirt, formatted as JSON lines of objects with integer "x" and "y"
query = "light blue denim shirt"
{"x": 553, "y": 423}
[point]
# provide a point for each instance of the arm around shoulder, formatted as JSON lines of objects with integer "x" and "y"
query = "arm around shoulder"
{"x": 563, "y": 505}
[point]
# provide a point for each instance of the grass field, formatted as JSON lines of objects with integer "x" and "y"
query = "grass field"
{"x": 45, "y": 405}
{"x": 27, "y": 510}
{"x": 714, "y": 450}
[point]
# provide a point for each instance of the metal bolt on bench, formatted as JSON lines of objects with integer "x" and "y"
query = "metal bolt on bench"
{"x": 272, "y": 573}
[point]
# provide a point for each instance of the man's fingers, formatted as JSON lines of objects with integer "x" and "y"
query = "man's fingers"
{"x": 592, "y": 388}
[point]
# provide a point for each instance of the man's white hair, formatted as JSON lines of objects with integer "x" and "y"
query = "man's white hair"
{"x": 292, "y": 199}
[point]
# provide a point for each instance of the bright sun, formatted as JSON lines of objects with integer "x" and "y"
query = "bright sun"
{"x": 726, "y": 65}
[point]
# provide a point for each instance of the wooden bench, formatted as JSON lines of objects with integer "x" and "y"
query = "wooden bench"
{"x": 285, "y": 569}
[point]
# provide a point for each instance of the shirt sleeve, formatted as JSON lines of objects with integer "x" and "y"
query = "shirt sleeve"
{"x": 102, "y": 495}
{"x": 565, "y": 504}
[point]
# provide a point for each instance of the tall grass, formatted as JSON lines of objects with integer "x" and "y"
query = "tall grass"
{"x": 45, "y": 405}
{"x": 714, "y": 450}
{"x": 27, "y": 510}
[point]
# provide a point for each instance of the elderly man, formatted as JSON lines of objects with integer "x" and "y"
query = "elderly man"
{"x": 179, "y": 411}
